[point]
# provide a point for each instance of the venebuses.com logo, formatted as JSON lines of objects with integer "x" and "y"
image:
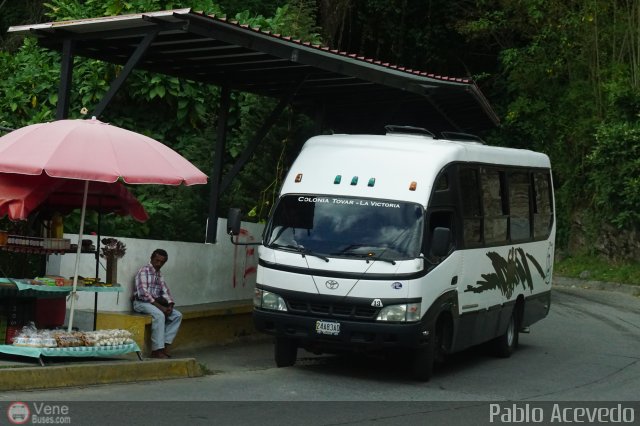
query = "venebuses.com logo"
{"x": 18, "y": 413}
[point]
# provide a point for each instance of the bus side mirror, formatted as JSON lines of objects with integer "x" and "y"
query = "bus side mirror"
{"x": 440, "y": 241}
{"x": 233, "y": 221}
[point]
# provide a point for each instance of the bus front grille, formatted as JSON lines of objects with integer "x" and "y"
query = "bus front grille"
{"x": 332, "y": 310}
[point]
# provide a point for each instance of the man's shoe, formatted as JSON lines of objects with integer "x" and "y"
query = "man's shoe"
{"x": 166, "y": 350}
{"x": 159, "y": 354}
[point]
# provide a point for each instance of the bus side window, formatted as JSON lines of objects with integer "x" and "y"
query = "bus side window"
{"x": 519, "y": 194}
{"x": 471, "y": 216}
{"x": 494, "y": 205}
{"x": 442, "y": 184}
{"x": 542, "y": 206}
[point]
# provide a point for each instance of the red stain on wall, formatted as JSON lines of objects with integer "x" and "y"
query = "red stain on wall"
{"x": 244, "y": 259}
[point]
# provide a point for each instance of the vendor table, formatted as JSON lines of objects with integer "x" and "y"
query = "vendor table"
{"x": 24, "y": 288}
{"x": 30, "y": 290}
{"x": 78, "y": 351}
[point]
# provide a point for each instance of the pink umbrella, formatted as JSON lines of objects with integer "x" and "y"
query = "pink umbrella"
{"x": 94, "y": 151}
{"x": 21, "y": 195}
{"x": 91, "y": 150}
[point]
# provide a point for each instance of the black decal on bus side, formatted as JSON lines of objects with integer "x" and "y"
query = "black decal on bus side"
{"x": 508, "y": 273}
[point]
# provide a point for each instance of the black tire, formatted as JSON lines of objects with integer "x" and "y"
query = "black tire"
{"x": 285, "y": 351}
{"x": 425, "y": 357}
{"x": 423, "y": 362}
{"x": 506, "y": 344}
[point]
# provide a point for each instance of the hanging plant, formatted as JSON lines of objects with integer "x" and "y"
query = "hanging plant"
{"x": 113, "y": 248}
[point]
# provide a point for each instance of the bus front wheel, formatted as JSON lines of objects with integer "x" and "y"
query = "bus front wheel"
{"x": 422, "y": 363}
{"x": 424, "y": 357}
{"x": 286, "y": 352}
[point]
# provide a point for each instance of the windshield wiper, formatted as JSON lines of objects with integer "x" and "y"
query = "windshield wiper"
{"x": 366, "y": 256}
{"x": 391, "y": 261}
{"x": 300, "y": 249}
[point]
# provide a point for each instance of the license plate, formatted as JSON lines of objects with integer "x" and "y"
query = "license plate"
{"x": 328, "y": 327}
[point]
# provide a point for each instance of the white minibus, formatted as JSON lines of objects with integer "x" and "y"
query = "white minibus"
{"x": 406, "y": 243}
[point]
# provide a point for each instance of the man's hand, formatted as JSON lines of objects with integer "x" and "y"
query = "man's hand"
{"x": 166, "y": 310}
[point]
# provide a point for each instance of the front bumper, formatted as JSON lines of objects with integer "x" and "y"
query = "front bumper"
{"x": 367, "y": 336}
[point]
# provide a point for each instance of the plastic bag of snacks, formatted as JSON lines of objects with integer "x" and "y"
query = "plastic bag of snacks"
{"x": 31, "y": 336}
{"x": 65, "y": 339}
{"x": 107, "y": 337}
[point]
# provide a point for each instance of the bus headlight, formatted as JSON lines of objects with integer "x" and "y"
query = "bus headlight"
{"x": 267, "y": 300}
{"x": 409, "y": 312}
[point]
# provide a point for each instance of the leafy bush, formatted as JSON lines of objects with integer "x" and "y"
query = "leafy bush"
{"x": 614, "y": 173}
{"x": 184, "y": 114}
{"x": 598, "y": 269}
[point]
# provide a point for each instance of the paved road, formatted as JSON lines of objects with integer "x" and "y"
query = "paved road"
{"x": 588, "y": 349}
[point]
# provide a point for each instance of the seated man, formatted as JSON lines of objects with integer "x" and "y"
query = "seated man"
{"x": 152, "y": 296}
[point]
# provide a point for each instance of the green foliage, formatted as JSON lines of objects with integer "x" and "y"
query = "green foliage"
{"x": 17, "y": 13}
{"x": 599, "y": 269}
{"x": 295, "y": 18}
{"x": 63, "y": 10}
{"x": 564, "y": 76}
{"x": 256, "y": 187}
{"x": 256, "y": 7}
{"x": 568, "y": 78}
{"x": 416, "y": 34}
{"x": 184, "y": 115}
{"x": 27, "y": 90}
{"x": 614, "y": 173}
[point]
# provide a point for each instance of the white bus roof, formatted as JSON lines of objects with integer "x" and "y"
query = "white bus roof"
{"x": 394, "y": 161}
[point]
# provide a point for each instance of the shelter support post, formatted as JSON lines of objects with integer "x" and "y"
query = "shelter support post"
{"x": 219, "y": 185}
{"x": 445, "y": 116}
{"x": 216, "y": 171}
{"x": 66, "y": 74}
{"x": 124, "y": 73}
{"x": 259, "y": 136}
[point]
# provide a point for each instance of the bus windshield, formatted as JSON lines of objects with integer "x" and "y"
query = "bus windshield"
{"x": 334, "y": 226}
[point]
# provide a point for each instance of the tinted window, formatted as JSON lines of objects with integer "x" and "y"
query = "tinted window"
{"x": 471, "y": 216}
{"x": 543, "y": 207}
{"x": 442, "y": 183}
{"x": 519, "y": 206}
{"x": 494, "y": 204}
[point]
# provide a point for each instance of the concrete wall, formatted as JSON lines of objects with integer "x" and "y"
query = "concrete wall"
{"x": 196, "y": 273}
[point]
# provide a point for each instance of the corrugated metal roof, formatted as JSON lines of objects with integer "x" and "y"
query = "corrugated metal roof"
{"x": 355, "y": 92}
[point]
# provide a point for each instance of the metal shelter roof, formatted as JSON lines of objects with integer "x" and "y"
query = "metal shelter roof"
{"x": 348, "y": 93}
{"x": 353, "y": 93}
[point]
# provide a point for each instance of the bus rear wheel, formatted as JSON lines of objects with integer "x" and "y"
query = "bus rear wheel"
{"x": 285, "y": 351}
{"x": 507, "y": 343}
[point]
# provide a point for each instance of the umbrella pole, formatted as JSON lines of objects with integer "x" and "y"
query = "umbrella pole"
{"x": 75, "y": 274}
{"x": 95, "y": 296}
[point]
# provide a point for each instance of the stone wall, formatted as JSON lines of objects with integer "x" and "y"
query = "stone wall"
{"x": 605, "y": 240}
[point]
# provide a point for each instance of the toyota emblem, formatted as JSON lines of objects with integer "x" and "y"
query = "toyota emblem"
{"x": 332, "y": 284}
